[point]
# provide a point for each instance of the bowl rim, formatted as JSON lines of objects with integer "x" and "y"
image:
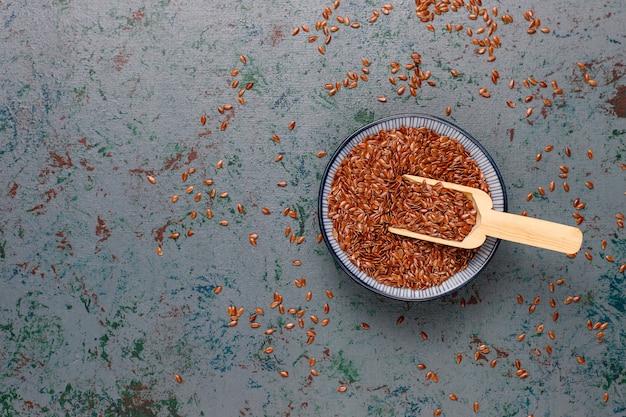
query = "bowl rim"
{"x": 419, "y": 295}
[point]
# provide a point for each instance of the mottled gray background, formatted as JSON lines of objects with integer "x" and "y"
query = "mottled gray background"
{"x": 95, "y": 95}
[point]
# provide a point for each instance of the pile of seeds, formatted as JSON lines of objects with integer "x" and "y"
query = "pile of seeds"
{"x": 433, "y": 210}
{"x": 368, "y": 195}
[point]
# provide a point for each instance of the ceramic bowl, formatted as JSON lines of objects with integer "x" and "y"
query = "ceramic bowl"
{"x": 477, "y": 152}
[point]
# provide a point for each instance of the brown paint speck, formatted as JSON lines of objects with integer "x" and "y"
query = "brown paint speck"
{"x": 102, "y": 230}
{"x": 619, "y": 102}
{"x": 13, "y": 190}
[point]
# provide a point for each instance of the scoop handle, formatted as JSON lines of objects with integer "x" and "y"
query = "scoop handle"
{"x": 530, "y": 231}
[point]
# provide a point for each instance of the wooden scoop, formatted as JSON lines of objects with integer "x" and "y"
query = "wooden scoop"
{"x": 507, "y": 226}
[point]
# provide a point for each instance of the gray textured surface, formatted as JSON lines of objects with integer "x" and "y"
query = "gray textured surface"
{"x": 95, "y": 95}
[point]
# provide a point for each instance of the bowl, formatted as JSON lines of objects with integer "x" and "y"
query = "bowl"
{"x": 443, "y": 128}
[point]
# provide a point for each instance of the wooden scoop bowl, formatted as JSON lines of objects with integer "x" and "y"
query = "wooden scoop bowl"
{"x": 507, "y": 226}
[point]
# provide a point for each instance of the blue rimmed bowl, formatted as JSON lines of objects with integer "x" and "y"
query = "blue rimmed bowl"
{"x": 477, "y": 152}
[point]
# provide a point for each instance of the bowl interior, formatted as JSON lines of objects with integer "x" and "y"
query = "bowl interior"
{"x": 477, "y": 152}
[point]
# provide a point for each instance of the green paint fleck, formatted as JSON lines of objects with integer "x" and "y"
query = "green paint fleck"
{"x": 364, "y": 116}
{"x": 278, "y": 270}
{"x": 345, "y": 367}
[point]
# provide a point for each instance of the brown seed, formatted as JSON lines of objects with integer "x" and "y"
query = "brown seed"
{"x": 329, "y": 294}
{"x": 400, "y": 320}
{"x": 382, "y": 99}
{"x": 297, "y": 262}
{"x": 175, "y": 235}
{"x": 219, "y": 164}
{"x": 224, "y": 223}
{"x": 321, "y": 49}
{"x": 424, "y": 335}
{"x": 589, "y": 184}
{"x": 510, "y": 104}
{"x": 529, "y": 111}
{"x": 476, "y": 406}
{"x": 321, "y": 154}
{"x": 284, "y": 374}
{"x": 421, "y": 366}
{"x": 151, "y": 179}
{"x": 555, "y": 316}
{"x": 565, "y": 186}
{"x": 529, "y": 196}
{"x": 520, "y": 299}
{"x": 581, "y": 360}
{"x": 342, "y": 388}
{"x": 282, "y": 184}
{"x": 174, "y": 198}
{"x": 325, "y": 322}
{"x": 365, "y": 326}
{"x": 223, "y": 194}
{"x": 437, "y": 412}
{"x": 493, "y": 363}
{"x": 539, "y": 328}
{"x": 178, "y": 378}
{"x": 521, "y": 336}
{"x": 459, "y": 358}
{"x": 609, "y": 258}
